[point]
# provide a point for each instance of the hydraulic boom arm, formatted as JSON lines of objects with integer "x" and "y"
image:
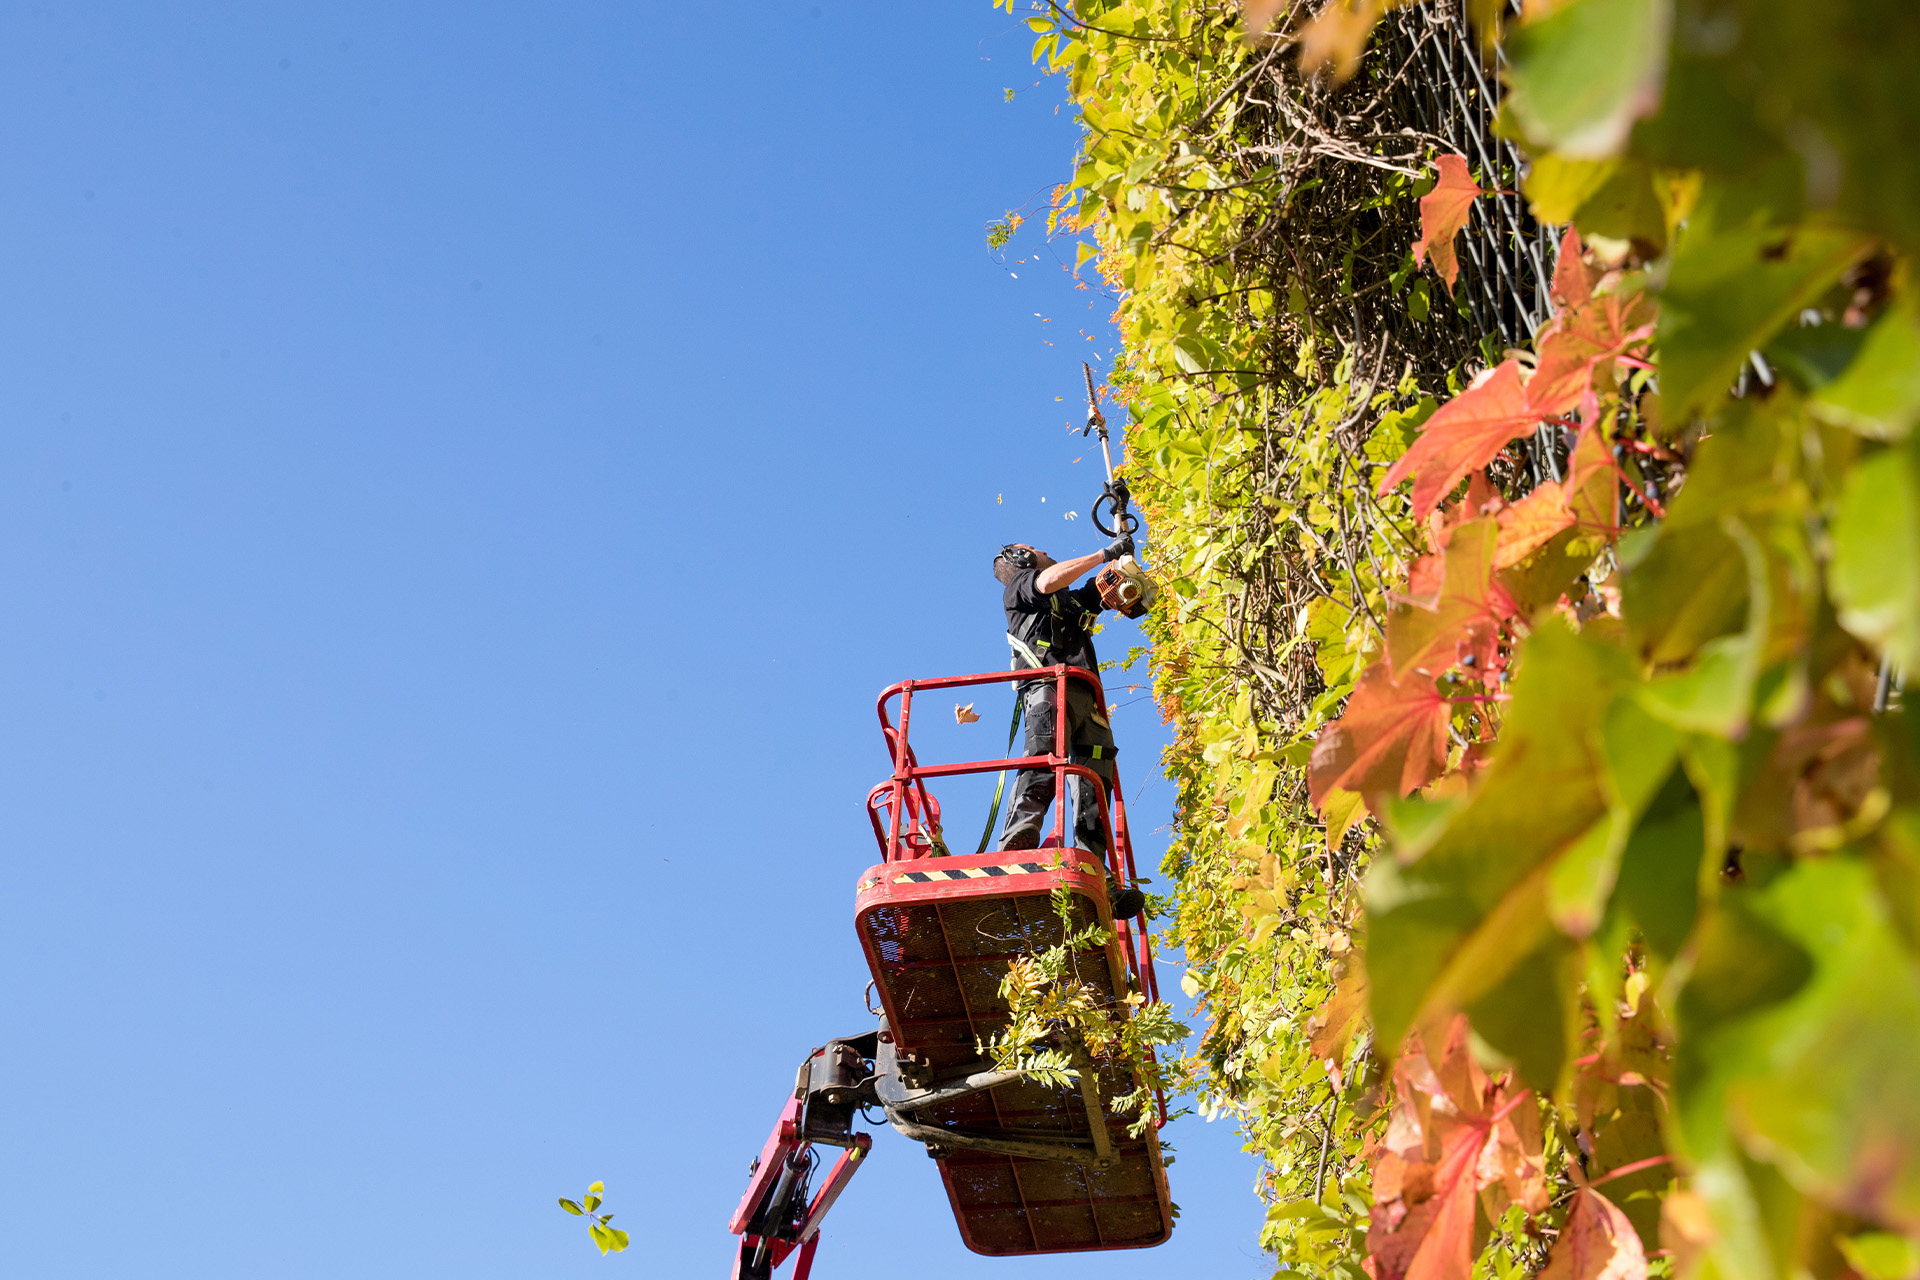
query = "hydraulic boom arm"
{"x": 776, "y": 1218}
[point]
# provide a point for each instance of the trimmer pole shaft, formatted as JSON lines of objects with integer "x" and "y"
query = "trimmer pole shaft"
{"x": 1097, "y": 420}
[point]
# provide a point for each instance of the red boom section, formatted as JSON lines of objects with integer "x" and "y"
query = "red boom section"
{"x": 940, "y": 932}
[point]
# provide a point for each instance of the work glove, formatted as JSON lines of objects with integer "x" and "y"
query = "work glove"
{"x": 1120, "y": 546}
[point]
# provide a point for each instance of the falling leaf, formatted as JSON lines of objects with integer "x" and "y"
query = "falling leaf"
{"x": 1465, "y": 435}
{"x": 1598, "y": 1243}
{"x": 1073, "y": 515}
{"x": 1392, "y": 734}
{"x": 1338, "y": 35}
{"x": 964, "y": 715}
{"x": 1443, "y": 211}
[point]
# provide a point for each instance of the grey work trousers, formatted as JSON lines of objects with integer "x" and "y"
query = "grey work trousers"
{"x": 1089, "y": 743}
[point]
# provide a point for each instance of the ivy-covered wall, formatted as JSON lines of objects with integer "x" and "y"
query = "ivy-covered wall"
{"x": 1548, "y": 853}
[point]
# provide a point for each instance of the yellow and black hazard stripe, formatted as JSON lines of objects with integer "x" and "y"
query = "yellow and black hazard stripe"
{"x": 983, "y": 873}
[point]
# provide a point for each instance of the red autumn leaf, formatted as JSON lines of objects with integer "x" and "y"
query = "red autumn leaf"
{"x": 1464, "y": 435}
{"x": 1598, "y": 1243}
{"x": 1530, "y": 523}
{"x": 1467, "y": 610}
{"x": 1392, "y": 734}
{"x": 1513, "y": 1168}
{"x": 1424, "y": 575}
{"x": 1443, "y": 211}
{"x": 1452, "y": 1134}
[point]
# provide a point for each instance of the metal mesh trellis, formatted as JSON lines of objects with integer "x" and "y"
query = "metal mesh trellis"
{"x": 1506, "y": 254}
{"x": 1455, "y": 96}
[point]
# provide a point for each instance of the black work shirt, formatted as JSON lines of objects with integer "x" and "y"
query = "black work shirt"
{"x": 1055, "y": 627}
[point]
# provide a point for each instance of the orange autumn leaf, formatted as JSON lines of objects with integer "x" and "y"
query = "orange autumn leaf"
{"x": 1429, "y": 1237}
{"x": 1465, "y": 435}
{"x": 1338, "y": 35}
{"x": 1467, "y": 609}
{"x": 964, "y": 715}
{"x": 1452, "y": 1135}
{"x": 1443, "y": 211}
{"x": 1586, "y": 332}
{"x": 1530, "y": 523}
{"x": 1598, "y": 1243}
{"x": 1588, "y": 497}
{"x": 1392, "y": 734}
{"x": 1334, "y": 1023}
{"x": 1573, "y": 280}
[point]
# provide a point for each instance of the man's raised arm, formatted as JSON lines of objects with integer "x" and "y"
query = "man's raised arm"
{"x": 1056, "y": 577}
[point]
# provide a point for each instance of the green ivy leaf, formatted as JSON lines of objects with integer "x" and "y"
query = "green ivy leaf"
{"x": 570, "y": 1206}
{"x": 1800, "y": 1037}
{"x": 1881, "y": 1255}
{"x": 1728, "y": 291}
{"x": 1875, "y": 572}
{"x": 1878, "y": 393}
{"x": 1584, "y": 73}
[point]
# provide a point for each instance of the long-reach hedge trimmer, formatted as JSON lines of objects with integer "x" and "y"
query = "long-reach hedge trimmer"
{"x": 1124, "y": 586}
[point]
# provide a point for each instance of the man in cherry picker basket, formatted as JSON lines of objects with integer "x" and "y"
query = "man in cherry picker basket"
{"x": 1050, "y": 621}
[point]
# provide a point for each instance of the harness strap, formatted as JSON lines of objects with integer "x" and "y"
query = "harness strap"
{"x": 1000, "y": 787}
{"x": 1021, "y": 648}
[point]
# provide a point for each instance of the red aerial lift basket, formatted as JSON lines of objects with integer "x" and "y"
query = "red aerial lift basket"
{"x": 940, "y": 932}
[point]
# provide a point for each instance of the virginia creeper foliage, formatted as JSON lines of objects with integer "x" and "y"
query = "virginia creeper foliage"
{"x": 1548, "y": 846}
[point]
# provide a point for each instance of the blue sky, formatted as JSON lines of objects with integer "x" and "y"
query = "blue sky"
{"x": 467, "y": 471}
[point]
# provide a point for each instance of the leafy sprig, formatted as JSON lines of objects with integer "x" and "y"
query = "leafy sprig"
{"x": 607, "y": 1239}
